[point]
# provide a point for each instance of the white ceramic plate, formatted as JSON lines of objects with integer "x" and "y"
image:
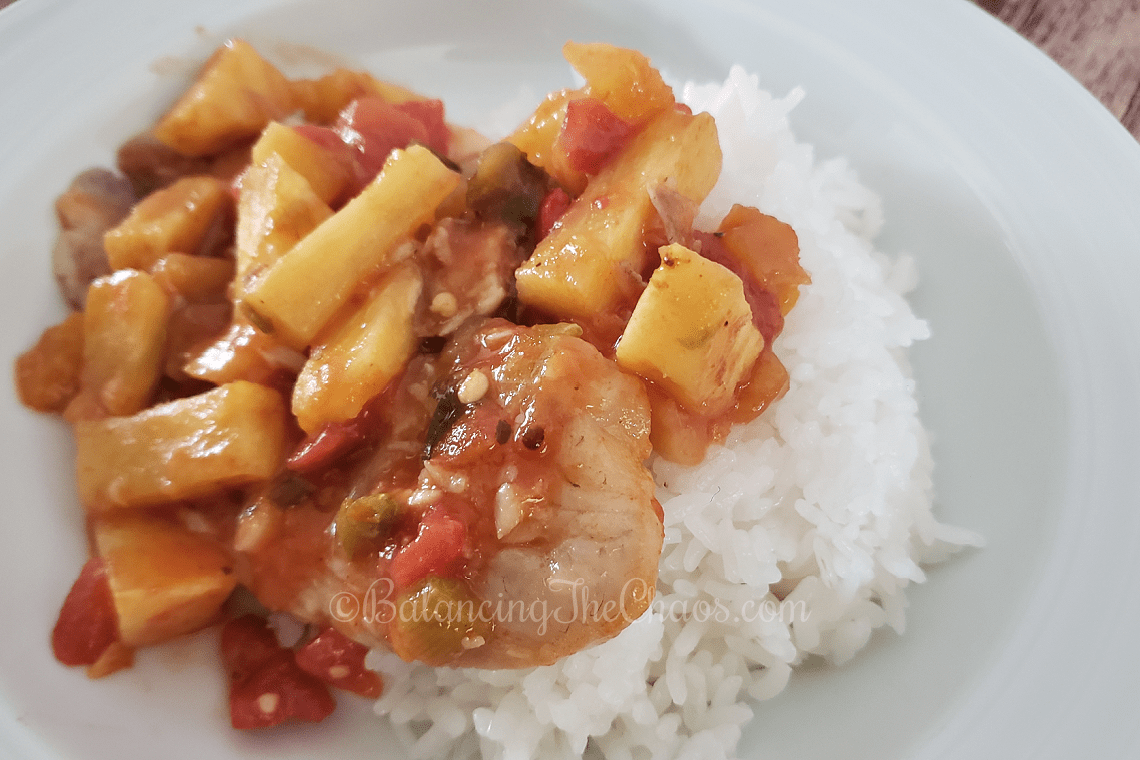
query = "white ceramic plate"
{"x": 1018, "y": 194}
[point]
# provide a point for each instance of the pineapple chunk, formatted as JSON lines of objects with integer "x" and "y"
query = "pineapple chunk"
{"x": 302, "y": 292}
{"x": 176, "y": 218}
{"x": 193, "y": 278}
{"x": 361, "y": 354}
{"x": 276, "y": 209}
{"x": 230, "y": 436}
{"x": 165, "y": 580}
{"x": 621, "y": 78}
{"x": 328, "y": 174}
{"x": 583, "y": 267}
{"x": 244, "y": 353}
{"x": 236, "y": 94}
{"x": 536, "y": 138}
{"x": 691, "y": 332}
{"x": 124, "y": 329}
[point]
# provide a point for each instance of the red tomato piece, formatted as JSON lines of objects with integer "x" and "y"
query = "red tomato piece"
{"x": 267, "y": 686}
{"x": 769, "y": 248}
{"x": 326, "y": 445}
{"x": 430, "y": 114}
{"x": 333, "y": 440}
{"x": 339, "y": 661}
{"x": 276, "y": 692}
{"x": 766, "y": 313}
{"x": 326, "y": 137}
{"x": 592, "y": 134}
{"x": 553, "y": 206}
{"x": 88, "y": 623}
{"x": 470, "y": 439}
{"x": 347, "y": 155}
{"x": 435, "y": 550}
{"x": 247, "y": 644}
{"x": 375, "y": 127}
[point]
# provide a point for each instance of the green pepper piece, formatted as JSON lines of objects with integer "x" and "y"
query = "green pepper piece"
{"x": 436, "y": 620}
{"x": 506, "y": 186}
{"x": 359, "y": 520}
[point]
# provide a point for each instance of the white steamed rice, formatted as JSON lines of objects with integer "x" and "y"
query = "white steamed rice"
{"x": 832, "y": 485}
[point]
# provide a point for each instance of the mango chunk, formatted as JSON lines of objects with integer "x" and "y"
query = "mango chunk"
{"x": 328, "y": 173}
{"x": 769, "y": 249}
{"x": 691, "y": 332}
{"x": 235, "y": 95}
{"x": 47, "y": 374}
{"x": 114, "y": 658}
{"x": 323, "y": 99}
{"x": 176, "y": 218}
{"x": 305, "y": 289}
{"x": 361, "y": 355}
{"x": 165, "y": 580}
{"x": 621, "y": 78}
{"x": 584, "y": 266}
{"x": 276, "y": 209}
{"x": 183, "y": 449}
{"x": 124, "y": 328}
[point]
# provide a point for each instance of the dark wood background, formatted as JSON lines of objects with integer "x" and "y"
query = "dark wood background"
{"x": 1097, "y": 41}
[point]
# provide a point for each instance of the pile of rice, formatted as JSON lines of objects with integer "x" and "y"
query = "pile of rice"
{"x": 824, "y": 500}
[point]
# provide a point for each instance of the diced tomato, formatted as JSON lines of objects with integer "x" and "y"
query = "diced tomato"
{"x": 592, "y": 134}
{"x": 320, "y": 449}
{"x": 369, "y": 128}
{"x": 553, "y": 206}
{"x": 327, "y": 137}
{"x": 333, "y": 440}
{"x": 768, "y": 382}
{"x": 470, "y": 439}
{"x": 769, "y": 248}
{"x": 247, "y": 644}
{"x": 375, "y": 127}
{"x": 277, "y": 691}
{"x": 435, "y": 550}
{"x": 339, "y": 661}
{"x": 87, "y": 623}
{"x": 267, "y": 686}
{"x": 430, "y": 114}
{"x": 766, "y": 313}
{"x": 347, "y": 156}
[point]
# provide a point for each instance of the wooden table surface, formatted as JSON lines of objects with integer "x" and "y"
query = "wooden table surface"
{"x": 1097, "y": 41}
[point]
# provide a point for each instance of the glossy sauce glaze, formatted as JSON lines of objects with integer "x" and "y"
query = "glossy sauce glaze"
{"x": 390, "y": 379}
{"x": 541, "y": 463}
